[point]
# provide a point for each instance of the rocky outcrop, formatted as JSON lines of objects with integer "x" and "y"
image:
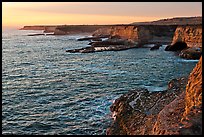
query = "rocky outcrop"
{"x": 176, "y": 111}
{"x": 135, "y": 113}
{"x": 178, "y": 46}
{"x": 140, "y": 34}
{"x": 191, "y": 53}
{"x": 183, "y": 115}
{"x": 155, "y": 47}
{"x": 108, "y": 45}
{"x": 193, "y": 98}
{"x": 191, "y": 35}
{"x": 187, "y": 40}
{"x": 122, "y": 37}
{"x": 77, "y": 29}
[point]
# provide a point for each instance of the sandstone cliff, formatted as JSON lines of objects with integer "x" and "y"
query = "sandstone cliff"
{"x": 191, "y": 35}
{"x": 176, "y": 111}
{"x": 121, "y": 37}
{"x": 77, "y": 29}
{"x": 188, "y": 41}
{"x": 66, "y": 29}
{"x": 140, "y": 34}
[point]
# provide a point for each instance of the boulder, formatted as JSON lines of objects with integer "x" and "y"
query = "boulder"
{"x": 178, "y": 46}
{"x": 191, "y": 53}
{"x": 155, "y": 47}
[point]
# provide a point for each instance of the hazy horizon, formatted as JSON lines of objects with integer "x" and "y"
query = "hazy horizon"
{"x": 19, "y": 14}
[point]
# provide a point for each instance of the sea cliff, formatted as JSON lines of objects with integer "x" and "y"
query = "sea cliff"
{"x": 187, "y": 40}
{"x": 176, "y": 111}
{"x": 191, "y": 35}
{"x": 140, "y": 34}
{"x": 46, "y": 28}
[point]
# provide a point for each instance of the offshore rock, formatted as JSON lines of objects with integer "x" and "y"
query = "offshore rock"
{"x": 107, "y": 45}
{"x": 155, "y": 47}
{"x": 191, "y": 53}
{"x": 178, "y": 46}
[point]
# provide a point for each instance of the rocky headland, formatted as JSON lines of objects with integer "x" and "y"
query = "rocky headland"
{"x": 187, "y": 40}
{"x": 179, "y": 33}
{"x": 65, "y": 29}
{"x": 122, "y": 37}
{"x": 183, "y": 35}
{"x": 175, "y": 111}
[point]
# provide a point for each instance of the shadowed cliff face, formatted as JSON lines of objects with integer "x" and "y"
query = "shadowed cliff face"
{"x": 191, "y": 35}
{"x": 176, "y": 111}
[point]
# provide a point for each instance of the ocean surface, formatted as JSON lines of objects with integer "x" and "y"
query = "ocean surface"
{"x": 47, "y": 91}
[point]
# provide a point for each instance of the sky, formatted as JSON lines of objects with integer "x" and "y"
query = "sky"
{"x": 19, "y": 14}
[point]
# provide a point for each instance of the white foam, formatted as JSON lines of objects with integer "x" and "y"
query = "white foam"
{"x": 188, "y": 60}
{"x": 154, "y": 88}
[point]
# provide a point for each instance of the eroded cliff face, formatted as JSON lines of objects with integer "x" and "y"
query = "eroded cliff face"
{"x": 183, "y": 115}
{"x": 191, "y": 35}
{"x": 77, "y": 29}
{"x": 141, "y": 34}
{"x": 194, "y": 88}
{"x": 192, "y": 117}
{"x": 176, "y": 111}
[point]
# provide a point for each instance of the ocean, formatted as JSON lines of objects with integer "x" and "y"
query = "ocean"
{"x": 47, "y": 91}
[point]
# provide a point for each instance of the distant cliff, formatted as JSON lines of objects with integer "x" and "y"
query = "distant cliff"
{"x": 140, "y": 33}
{"x": 173, "y": 21}
{"x": 46, "y": 28}
{"x": 77, "y": 29}
{"x": 176, "y": 111}
{"x": 65, "y": 29}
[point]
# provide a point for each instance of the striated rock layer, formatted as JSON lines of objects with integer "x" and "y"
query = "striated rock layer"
{"x": 140, "y": 34}
{"x": 188, "y": 41}
{"x": 176, "y": 111}
{"x": 191, "y": 35}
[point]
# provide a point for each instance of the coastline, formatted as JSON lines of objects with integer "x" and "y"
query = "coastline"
{"x": 140, "y": 112}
